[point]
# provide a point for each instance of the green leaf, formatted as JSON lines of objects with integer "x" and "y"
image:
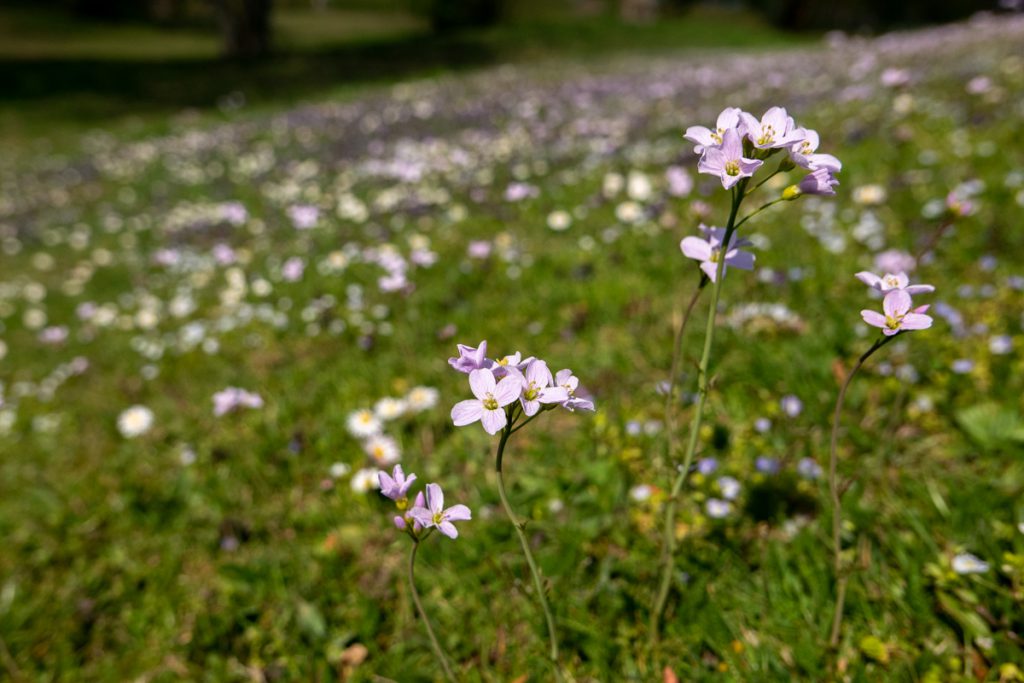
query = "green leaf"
{"x": 991, "y": 425}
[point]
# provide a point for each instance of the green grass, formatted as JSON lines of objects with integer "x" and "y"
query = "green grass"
{"x": 121, "y": 561}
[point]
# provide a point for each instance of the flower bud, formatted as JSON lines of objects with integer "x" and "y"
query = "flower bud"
{"x": 791, "y": 193}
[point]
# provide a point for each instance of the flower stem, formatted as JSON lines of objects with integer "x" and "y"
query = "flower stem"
{"x": 423, "y": 614}
{"x": 677, "y": 354}
{"x": 669, "y": 542}
{"x": 519, "y": 526}
{"x": 837, "y": 505}
{"x": 759, "y": 210}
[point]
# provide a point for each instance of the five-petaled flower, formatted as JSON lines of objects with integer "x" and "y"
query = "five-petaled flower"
{"x": 709, "y": 251}
{"x": 491, "y": 398}
{"x": 435, "y": 514}
{"x": 899, "y": 314}
{"x": 571, "y": 384}
{"x": 470, "y": 358}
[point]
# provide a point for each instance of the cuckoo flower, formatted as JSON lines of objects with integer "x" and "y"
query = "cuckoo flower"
{"x": 537, "y": 389}
{"x": 571, "y": 384}
{"x": 396, "y": 485}
{"x": 818, "y": 181}
{"x": 435, "y": 514}
{"x": 403, "y": 521}
{"x": 892, "y": 281}
{"x": 709, "y": 251}
{"x": 803, "y": 153}
{"x": 704, "y": 137}
{"x": 469, "y": 358}
{"x": 773, "y": 131}
{"x": 727, "y": 161}
{"x": 899, "y": 315}
{"x": 491, "y": 397}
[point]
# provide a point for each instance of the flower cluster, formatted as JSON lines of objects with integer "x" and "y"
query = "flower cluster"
{"x": 500, "y": 386}
{"x": 368, "y": 425}
{"x": 426, "y": 512}
{"x": 740, "y": 143}
{"x": 898, "y": 311}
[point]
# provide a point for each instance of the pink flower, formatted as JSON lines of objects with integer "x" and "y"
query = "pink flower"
{"x": 435, "y": 515}
{"x": 898, "y": 314}
{"x": 727, "y": 161}
{"x": 708, "y": 251}
{"x": 773, "y": 131}
{"x": 803, "y": 153}
{"x": 491, "y": 398}
{"x": 704, "y": 137}
{"x": 537, "y": 389}
{"x": 890, "y": 282}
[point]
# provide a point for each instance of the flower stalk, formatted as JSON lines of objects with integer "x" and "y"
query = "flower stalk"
{"x": 669, "y": 541}
{"x": 438, "y": 651}
{"x": 519, "y": 527}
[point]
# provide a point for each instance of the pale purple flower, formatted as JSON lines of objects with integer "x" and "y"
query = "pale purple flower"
{"x": 537, "y": 389}
{"x": 718, "y": 508}
{"x": 804, "y": 153}
{"x": 519, "y": 191}
{"x": 773, "y": 131}
{"x": 511, "y": 363}
{"x": 223, "y": 254}
{"x": 571, "y": 384}
{"x": 479, "y": 249}
{"x": 708, "y": 251}
{"x": 231, "y": 398}
{"x": 727, "y": 161}
{"x": 470, "y": 358}
{"x": 434, "y": 513}
{"x": 899, "y": 315}
{"x": 304, "y": 216}
{"x": 894, "y": 78}
{"x": 962, "y": 366}
{"x": 893, "y": 281}
{"x": 729, "y": 487}
{"x": 819, "y": 181}
{"x": 234, "y": 213}
{"x": 293, "y": 269}
{"x": 491, "y": 398}
{"x": 707, "y": 465}
{"x": 895, "y": 261}
{"x": 704, "y": 137}
{"x": 680, "y": 183}
{"x": 791, "y": 405}
{"x": 396, "y": 485}
{"x": 766, "y": 465}
{"x": 808, "y": 468}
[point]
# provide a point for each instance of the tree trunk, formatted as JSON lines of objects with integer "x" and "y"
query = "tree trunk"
{"x": 245, "y": 25}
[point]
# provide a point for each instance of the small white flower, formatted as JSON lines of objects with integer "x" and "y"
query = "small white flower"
{"x": 365, "y": 480}
{"x": 422, "y": 398}
{"x": 559, "y": 220}
{"x": 363, "y": 423}
{"x": 389, "y": 408}
{"x": 339, "y": 470}
{"x": 641, "y": 492}
{"x": 966, "y": 563}
{"x": 383, "y": 449}
{"x": 135, "y": 421}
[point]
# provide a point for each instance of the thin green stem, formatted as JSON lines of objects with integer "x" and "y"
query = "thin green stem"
{"x": 519, "y": 526}
{"x": 677, "y": 354}
{"x": 669, "y": 542}
{"x": 836, "y": 495}
{"x": 423, "y": 614}
{"x": 760, "y": 209}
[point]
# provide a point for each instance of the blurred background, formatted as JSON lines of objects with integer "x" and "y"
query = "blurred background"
{"x": 91, "y": 59}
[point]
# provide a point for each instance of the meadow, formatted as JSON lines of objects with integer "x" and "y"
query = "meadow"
{"x": 318, "y": 260}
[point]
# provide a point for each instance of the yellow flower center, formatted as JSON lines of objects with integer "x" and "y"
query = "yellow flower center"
{"x": 767, "y": 135}
{"x": 732, "y": 168}
{"x": 490, "y": 403}
{"x": 438, "y": 518}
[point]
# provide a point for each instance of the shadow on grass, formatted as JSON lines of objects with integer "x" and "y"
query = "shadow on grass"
{"x": 102, "y": 87}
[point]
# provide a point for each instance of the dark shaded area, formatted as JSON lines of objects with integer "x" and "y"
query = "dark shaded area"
{"x": 203, "y": 82}
{"x": 860, "y": 15}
